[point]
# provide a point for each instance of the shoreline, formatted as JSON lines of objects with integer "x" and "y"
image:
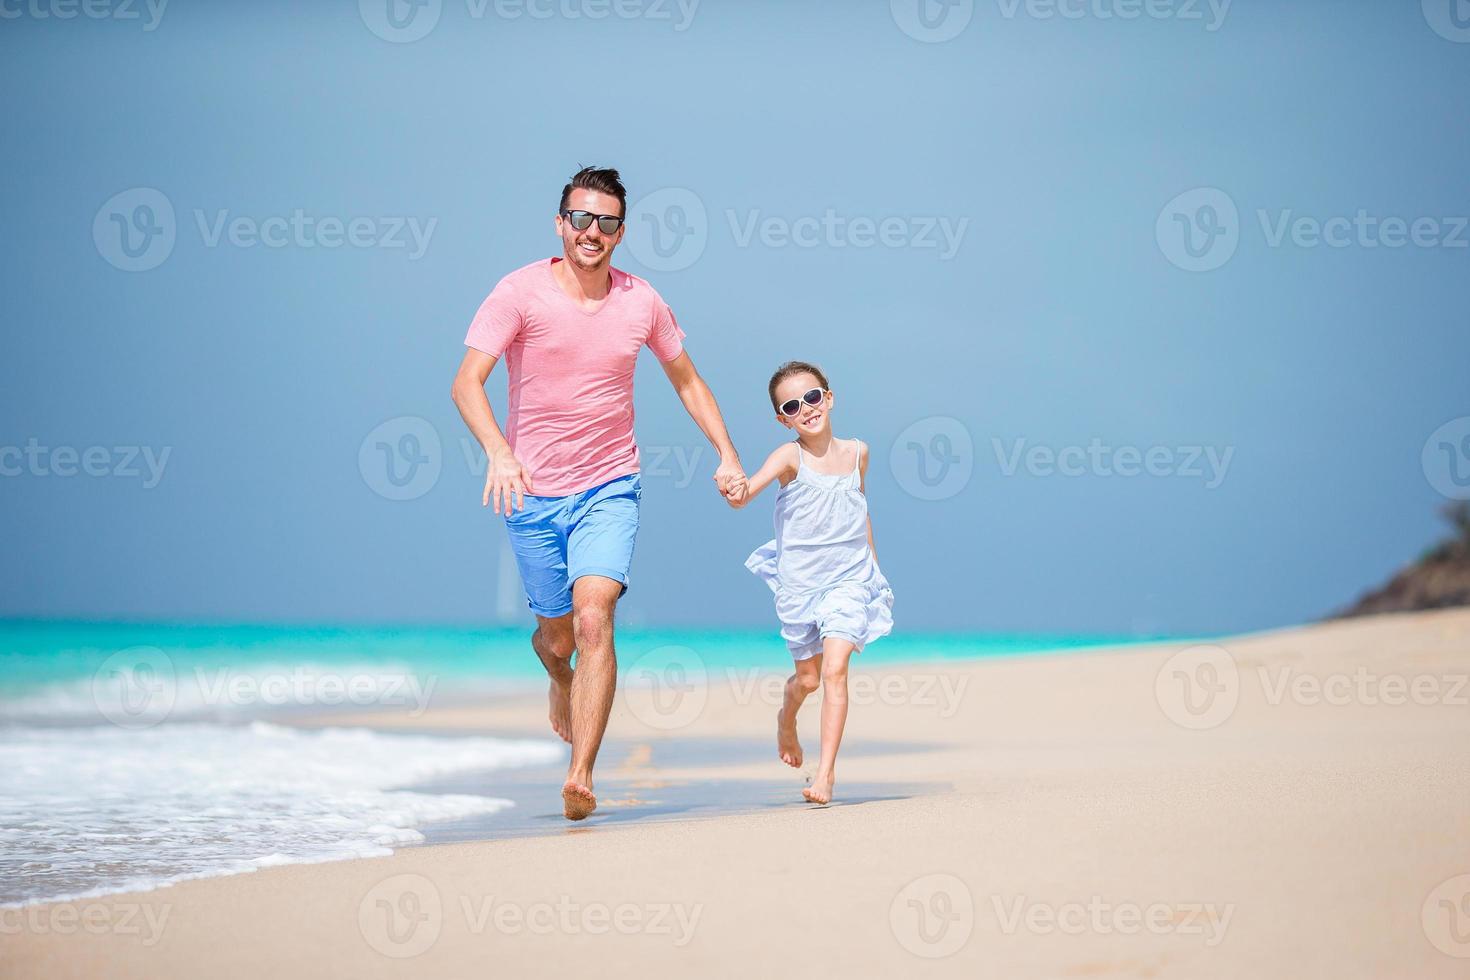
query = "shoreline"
{"x": 474, "y": 657}
{"x": 1298, "y": 834}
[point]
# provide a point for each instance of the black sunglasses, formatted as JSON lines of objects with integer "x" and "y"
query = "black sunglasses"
{"x": 582, "y": 220}
{"x": 813, "y": 397}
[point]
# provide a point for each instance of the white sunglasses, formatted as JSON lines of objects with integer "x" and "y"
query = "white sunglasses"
{"x": 813, "y": 397}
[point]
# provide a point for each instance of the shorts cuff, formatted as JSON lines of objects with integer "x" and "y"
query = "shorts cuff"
{"x": 548, "y": 612}
{"x": 607, "y": 573}
{"x": 857, "y": 644}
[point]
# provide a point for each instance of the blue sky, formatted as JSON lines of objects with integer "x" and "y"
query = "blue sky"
{"x": 1151, "y": 321}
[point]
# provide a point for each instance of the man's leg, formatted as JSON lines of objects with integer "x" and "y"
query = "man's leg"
{"x": 594, "y": 683}
{"x": 553, "y": 643}
{"x": 537, "y": 537}
{"x": 603, "y": 526}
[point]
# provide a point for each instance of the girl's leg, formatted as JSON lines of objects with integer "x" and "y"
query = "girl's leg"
{"x": 800, "y": 684}
{"x": 835, "y": 654}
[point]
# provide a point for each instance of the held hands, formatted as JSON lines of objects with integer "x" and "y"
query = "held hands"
{"x": 505, "y": 478}
{"x": 738, "y": 493}
{"x": 730, "y": 481}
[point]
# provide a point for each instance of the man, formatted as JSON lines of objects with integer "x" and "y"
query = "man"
{"x": 566, "y": 469}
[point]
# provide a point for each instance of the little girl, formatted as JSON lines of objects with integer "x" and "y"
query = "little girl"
{"x": 830, "y": 596}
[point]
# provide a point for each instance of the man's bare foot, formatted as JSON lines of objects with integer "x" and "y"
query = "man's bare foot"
{"x": 577, "y": 801}
{"x": 820, "y": 791}
{"x": 788, "y": 746}
{"x": 560, "y": 698}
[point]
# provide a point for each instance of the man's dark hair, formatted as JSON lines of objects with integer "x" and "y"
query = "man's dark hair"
{"x": 604, "y": 180}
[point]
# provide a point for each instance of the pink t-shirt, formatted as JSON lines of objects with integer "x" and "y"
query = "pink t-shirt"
{"x": 571, "y": 373}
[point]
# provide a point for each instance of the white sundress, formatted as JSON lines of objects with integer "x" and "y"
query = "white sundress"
{"x": 819, "y": 565}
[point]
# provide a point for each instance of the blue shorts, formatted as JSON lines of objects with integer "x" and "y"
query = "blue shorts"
{"x": 557, "y": 540}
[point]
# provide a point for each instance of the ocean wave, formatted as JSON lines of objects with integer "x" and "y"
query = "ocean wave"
{"x": 141, "y": 689}
{"x": 98, "y": 810}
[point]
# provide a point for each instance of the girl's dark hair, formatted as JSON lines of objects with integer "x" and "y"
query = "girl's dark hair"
{"x": 794, "y": 367}
{"x": 604, "y": 180}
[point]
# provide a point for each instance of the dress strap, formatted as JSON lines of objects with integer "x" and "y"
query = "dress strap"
{"x": 857, "y": 456}
{"x": 800, "y": 461}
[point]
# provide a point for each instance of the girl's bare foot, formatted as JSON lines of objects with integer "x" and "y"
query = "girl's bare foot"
{"x": 788, "y": 746}
{"x": 820, "y": 791}
{"x": 577, "y": 801}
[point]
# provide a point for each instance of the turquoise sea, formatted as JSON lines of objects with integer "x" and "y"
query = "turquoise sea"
{"x": 47, "y": 659}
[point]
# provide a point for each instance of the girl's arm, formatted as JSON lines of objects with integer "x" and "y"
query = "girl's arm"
{"x": 780, "y": 465}
{"x": 863, "y": 486}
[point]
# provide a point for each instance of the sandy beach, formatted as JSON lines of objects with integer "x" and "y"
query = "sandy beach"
{"x": 1287, "y": 804}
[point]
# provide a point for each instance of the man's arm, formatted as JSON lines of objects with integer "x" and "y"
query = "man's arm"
{"x": 504, "y": 474}
{"x": 699, "y": 402}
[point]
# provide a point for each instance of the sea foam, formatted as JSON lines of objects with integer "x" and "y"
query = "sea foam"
{"x": 97, "y": 810}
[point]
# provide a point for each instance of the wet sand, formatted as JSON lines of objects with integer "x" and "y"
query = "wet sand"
{"x": 632, "y": 789}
